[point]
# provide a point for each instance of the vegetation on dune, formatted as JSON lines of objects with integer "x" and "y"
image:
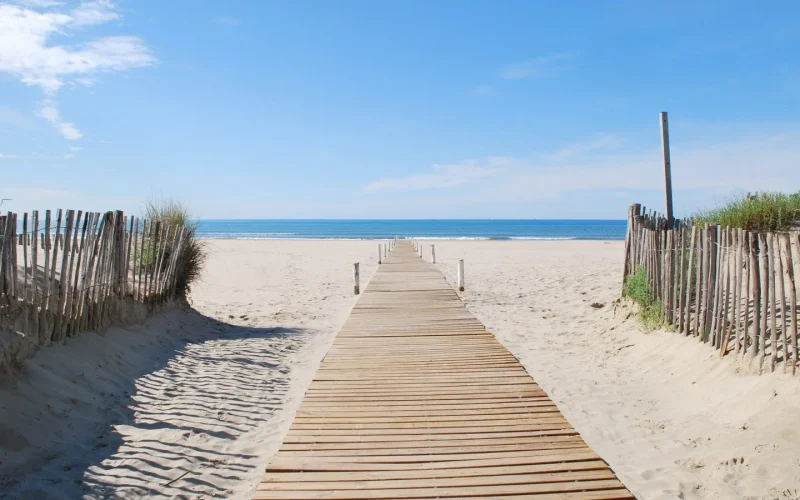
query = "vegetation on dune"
{"x": 765, "y": 211}
{"x": 175, "y": 214}
{"x": 637, "y": 289}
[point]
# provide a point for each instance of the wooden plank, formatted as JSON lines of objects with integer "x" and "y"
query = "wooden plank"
{"x": 64, "y": 276}
{"x": 755, "y": 284}
{"x": 680, "y": 294}
{"x": 699, "y": 282}
{"x": 444, "y": 492}
{"x": 13, "y": 254}
{"x": 142, "y": 277}
{"x": 79, "y": 250}
{"x": 737, "y": 286}
{"x": 765, "y": 298}
{"x": 52, "y": 291}
{"x": 25, "y": 269}
{"x": 46, "y": 282}
{"x": 416, "y": 399}
{"x": 773, "y": 322}
{"x": 131, "y": 247}
{"x": 691, "y": 277}
{"x": 446, "y": 462}
{"x": 790, "y": 273}
{"x": 341, "y": 481}
{"x": 780, "y": 276}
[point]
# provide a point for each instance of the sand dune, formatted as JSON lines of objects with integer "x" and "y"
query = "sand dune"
{"x": 192, "y": 403}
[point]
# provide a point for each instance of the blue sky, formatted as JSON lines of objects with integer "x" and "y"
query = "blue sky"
{"x": 415, "y": 109}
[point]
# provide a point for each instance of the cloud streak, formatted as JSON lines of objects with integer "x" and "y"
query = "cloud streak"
{"x": 483, "y": 90}
{"x": 27, "y": 54}
{"x": 441, "y": 177}
{"x": 539, "y": 67}
{"x": 749, "y": 162}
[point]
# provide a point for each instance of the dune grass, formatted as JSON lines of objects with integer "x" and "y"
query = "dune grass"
{"x": 765, "y": 211}
{"x": 637, "y": 289}
{"x": 174, "y": 213}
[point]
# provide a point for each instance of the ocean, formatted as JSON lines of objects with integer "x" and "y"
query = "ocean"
{"x": 476, "y": 229}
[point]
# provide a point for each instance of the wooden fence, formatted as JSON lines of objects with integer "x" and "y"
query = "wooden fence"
{"x": 73, "y": 273}
{"x": 730, "y": 288}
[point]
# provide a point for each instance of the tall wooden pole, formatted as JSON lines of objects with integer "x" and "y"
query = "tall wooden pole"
{"x": 667, "y": 165}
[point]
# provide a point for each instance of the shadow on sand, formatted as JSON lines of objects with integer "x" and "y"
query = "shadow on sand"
{"x": 191, "y": 423}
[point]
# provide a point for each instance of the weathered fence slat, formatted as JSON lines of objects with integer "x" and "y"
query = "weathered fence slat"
{"x": 731, "y": 288}
{"x": 790, "y": 271}
{"x": 773, "y": 320}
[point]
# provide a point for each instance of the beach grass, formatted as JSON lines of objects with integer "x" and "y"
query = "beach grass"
{"x": 637, "y": 289}
{"x": 176, "y": 214}
{"x": 763, "y": 211}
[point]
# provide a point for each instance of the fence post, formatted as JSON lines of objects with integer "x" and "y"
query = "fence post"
{"x": 356, "y": 287}
{"x": 460, "y": 275}
{"x": 633, "y": 212}
{"x": 433, "y": 254}
{"x": 667, "y": 165}
{"x": 379, "y": 253}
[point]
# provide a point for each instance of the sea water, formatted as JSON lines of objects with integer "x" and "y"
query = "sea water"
{"x": 476, "y": 229}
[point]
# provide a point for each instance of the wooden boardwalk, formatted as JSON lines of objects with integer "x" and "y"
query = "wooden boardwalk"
{"x": 416, "y": 399}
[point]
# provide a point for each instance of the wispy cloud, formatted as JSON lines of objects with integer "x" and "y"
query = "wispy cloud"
{"x": 539, "y": 67}
{"x": 443, "y": 176}
{"x": 227, "y": 21}
{"x": 607, "y": 163}
{"x": 483, "y": 90}
{"x": 26, "y": 54}
{"x": 40, "y": 3}
{"x": 50, "y": 113}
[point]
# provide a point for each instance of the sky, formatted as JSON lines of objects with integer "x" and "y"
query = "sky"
{"x": 413, "y": 109}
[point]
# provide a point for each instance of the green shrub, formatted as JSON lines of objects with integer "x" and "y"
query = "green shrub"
{"x": 765, "y": 211}
{"x": 175, "y": 214}
{"x": 638, "y": 290}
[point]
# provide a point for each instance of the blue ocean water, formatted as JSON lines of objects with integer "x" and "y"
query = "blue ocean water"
{"x": 477, "y": 229}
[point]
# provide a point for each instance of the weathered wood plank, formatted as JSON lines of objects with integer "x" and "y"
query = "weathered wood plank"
{"x": 416, "y": 399}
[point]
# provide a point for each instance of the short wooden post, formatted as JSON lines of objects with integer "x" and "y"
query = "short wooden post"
{"x": 667, "y": 165}
{"x": 460, "y": 275}
{"x": 379, "y": 253}
{"x": 356, "y": 287}
{"x": 433, "y": 255}
{"x": 385, "y": 250}
{"x": 419, "y": 251}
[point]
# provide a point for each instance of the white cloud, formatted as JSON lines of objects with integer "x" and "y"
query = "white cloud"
{"x": 75, "y": 148}
{"x": 40, "y": 3}
{"x": 25, "y": 51}
{"x": 94, "y": 12}
{"x": 227, "y": 21}
{"x": 749, "y": 162}
{"x": 49, "y": 112}
{"x": 443, "y": 176}
{"x": 483, "y": 90}
{"x": 539, "y": 67}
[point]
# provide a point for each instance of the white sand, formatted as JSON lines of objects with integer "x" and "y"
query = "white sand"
{"x": 669, "y": 417}
{"x": 186, "y": 405}
{"x": 193, "y": 404}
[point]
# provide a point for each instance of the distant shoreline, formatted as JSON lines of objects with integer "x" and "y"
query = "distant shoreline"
{"x": 450, "y": 229}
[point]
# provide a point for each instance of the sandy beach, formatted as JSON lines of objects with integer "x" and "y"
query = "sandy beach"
{"x": 192, "y": 403}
